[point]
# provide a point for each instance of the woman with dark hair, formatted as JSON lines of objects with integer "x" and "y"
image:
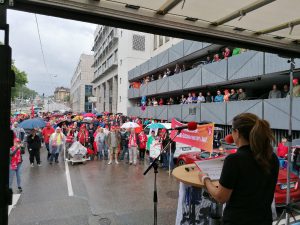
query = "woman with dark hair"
{"x": 249, "y": 176}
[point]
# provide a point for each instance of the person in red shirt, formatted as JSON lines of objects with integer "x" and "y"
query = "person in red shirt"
{"x": 142, "y": 144}
{"x": 83, "y": 135}
{"x": 46, "y": 132}
{"x": 282, "y": 149}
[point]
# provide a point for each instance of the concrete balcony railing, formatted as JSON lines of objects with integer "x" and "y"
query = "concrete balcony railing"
{"x": 273, "y": 110}
{"x": 248, "y": 65}
{"x": 178, "y": 51}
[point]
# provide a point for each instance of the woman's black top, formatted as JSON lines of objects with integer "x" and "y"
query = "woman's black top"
{"x": 252, "y": 189}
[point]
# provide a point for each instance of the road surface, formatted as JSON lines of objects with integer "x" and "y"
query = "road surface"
{"x": 102, "y": 195}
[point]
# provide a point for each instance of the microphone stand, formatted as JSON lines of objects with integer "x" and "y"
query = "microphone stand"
{"x": 154, "y": 164}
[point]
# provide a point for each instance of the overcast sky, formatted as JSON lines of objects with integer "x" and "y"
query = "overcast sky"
{"x": 63, "y": 42}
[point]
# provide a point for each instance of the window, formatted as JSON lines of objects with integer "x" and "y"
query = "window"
{"x": 155, "y": 42}
{"x": 120, "y": 82}
{"x": 120, "y": 98}
{"x": 138, "y": 42}
{"x": 161, "y": 40}
{"x": 167, "y": 39}
{"x": 88, "y": 90}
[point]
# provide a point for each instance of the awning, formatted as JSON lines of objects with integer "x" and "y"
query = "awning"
{"x": 267, "y": 25}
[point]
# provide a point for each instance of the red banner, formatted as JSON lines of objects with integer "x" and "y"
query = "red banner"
{"x": 201, "y": 138}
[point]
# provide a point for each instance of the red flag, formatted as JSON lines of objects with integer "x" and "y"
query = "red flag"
{"x": 201, "y": 138}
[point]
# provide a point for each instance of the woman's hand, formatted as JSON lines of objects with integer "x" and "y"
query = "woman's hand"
{"x": 219, "y": 193}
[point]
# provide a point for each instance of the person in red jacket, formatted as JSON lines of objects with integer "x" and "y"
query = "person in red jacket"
{"x": 142, "y": 144}
{"x": 46, "y": 132}
{"x": 15, "y": 163}
{"x": 83, "y": 135}
{"x": 282, "y": 149}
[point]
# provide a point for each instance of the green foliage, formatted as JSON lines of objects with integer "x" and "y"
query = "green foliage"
{"x": 20, "y": 85}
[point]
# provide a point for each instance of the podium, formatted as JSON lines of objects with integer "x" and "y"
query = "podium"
{"x": 194, "y": 203}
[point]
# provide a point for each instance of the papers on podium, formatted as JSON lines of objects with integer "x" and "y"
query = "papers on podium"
{"x": 212, "y": 167}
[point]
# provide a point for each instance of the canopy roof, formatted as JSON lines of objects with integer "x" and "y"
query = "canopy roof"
{"x": 268, "y": 25}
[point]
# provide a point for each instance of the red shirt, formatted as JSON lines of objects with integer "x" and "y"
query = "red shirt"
{"x": 282, "y": 150}
{"x": 143, "y": 140}
{"x": 46, "y": 132}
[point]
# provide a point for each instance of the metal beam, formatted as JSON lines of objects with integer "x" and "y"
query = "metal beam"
{"x": 167, "y": 6}
{"x": 145, "y": 20}
{"x": 290, "y": 24}
{"x": 242, "y": 12}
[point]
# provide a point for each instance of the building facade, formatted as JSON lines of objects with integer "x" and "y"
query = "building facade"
{"x": 61, "y": 94}
{"x": 254, "y": 72}
{"x": 116, "y": 51}
{"x": 81, "y": 86}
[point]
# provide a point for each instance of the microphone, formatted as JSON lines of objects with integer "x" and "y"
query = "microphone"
{"x": 190, "y": 126}
{"x": 229, "y": 139}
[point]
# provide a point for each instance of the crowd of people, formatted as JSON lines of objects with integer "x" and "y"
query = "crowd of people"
{"x": 218, "y": 56}
{"x": 102, "y": 136}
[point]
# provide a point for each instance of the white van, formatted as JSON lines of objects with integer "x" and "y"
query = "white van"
{"x": 180, "y": 148}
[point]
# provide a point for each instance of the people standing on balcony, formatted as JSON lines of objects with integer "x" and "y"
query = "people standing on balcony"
{"x": 233, "y": 95}
{"x": 226, "y": 53}
{"x": 209, "y": 97}
{"x": 194, "y": 98}
{"x": 152, "y": 77}
{"x": 154, "y": 102}
{"x": 219, "y": 97}
{"x": 241, "y": 95}
{"x": 226, "y": 95}
{"x": 296, "y": 88}
{"x": 183, "y": 99}
{"x": 149, "y": 102}
{"x": 285, "y": 92}
{"x": 177, "y": 69}
{"x": 189, "y": 99}
{"x": 169, "y": 73}
{"x": 165, "y": 74}
{"x": 274, "y": 93}
{"x": 183, "y": 68}
{"x": 170, "y": 101}
{"x": 236, "y": 51}
{"x": 216, "y": 58}
{"x": 161, "y": 101}
{"x": 200, "y": 98}
{"x": 208, "y": 60}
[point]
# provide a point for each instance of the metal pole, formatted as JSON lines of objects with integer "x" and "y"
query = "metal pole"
{"x": 288, "y": 191}
{"x": 6, "y": 80}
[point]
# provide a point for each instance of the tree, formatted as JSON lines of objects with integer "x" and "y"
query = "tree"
{"x": 21, "y": 81}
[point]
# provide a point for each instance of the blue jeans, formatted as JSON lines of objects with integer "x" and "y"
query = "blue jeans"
{"x": 18, "y": 174}
{"x": 47, "y": 147}
{"x": 55, "y": 153}
{"x": 102, "y": 151}
{"x": 124, "y": 150}
{"x": 170, "y": 157}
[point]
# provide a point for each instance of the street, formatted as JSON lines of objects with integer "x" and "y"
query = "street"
{"x": 103, "y": 194}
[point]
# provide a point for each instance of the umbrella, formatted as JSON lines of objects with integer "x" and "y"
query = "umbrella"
{"x": 129, "y": 125}
{"x": 89, "y": 115}
{"x": 32, "y": 123}
{"x": 156, "y": 126}
{"x": 64, "y": 121}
